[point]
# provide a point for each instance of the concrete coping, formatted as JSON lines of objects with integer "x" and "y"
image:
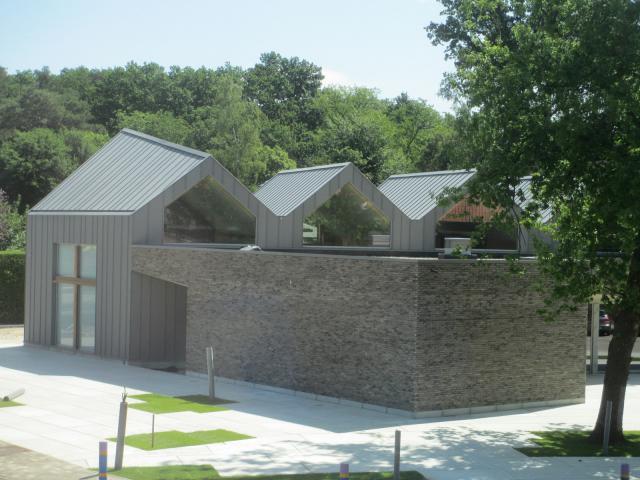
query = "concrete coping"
{"x": 312, "y": 253}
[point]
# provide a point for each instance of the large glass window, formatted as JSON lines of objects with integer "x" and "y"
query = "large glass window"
{"x": 208, "y": 214}
{"x": 347, "y": 219}
{"x": 75, "y": 285}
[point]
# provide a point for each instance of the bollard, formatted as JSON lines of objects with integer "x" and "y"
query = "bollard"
{"x": 607, "y": 428}
{"x": 396, "y": 457}
{"x": 153, "y": 429}
{"x": 344, "y": 471}
{"x": 625, "y": 472}
{"x": 210, "y": 373}
{"x": 102, "y": 461}
{"x": 122, "y": 427}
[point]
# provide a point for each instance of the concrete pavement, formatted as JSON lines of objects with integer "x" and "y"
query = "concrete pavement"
{"x": 71, "y": 403}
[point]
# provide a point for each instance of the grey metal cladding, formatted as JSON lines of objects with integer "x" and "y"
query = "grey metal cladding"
{"x": 417, "y": 194}
{"x": 123, "y": 176}
{"x": 288, "y": 190}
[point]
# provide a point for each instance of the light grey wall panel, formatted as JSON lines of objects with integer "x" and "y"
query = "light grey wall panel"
{"x": 112, "y": 236}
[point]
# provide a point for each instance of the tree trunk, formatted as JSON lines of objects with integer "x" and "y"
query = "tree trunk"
{"x": 615, "y": 379}
{"x": 625, "y": 333}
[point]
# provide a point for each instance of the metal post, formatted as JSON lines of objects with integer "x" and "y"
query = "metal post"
{"x": 153, "y": 429}
{"x": 344, "y": 471}
{"x": 396, "y": 457}
{"x": 607, "y": 428}
{"x": 122, "y": 427}
{"x": 595, "y": 335}
{"x": 102, "y": 461}
{"x": 210, "y": 373}
{"x": 625, "y": 471}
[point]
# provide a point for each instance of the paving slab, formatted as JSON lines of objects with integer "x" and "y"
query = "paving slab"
{"x": 71, "y": 403}
{"x": 19, "y": 463}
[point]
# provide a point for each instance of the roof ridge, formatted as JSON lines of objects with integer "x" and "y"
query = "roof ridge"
{"x": 165, "y": 143}
{"x": 317, "y": 167}
{"x": 432, "y": 174}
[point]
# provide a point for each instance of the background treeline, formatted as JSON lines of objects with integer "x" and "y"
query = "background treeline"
{"x": 257, "y": 121}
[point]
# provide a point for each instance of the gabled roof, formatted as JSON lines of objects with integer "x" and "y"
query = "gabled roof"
{"x": 123, "y": 176}
{"x": 416, "y": 194}
{"x": 525, "y": 186}
{"x": 289, "y": 189}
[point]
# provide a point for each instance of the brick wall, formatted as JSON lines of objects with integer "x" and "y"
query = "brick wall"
{"x": 415, "y": 334}
{"x": 480, "y": 341}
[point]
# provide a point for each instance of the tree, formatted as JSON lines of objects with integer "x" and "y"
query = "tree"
{"x": 356, "y": 129}
{"x": 12, "y": 225}
{"x": 285, "y": 89}
{"x": 32, "y": 163}
{"x": 230, "y": 130}
{"x": 160, "y": 124}
{"x": 81, "y": 144}
{"x": 551, "y": 88}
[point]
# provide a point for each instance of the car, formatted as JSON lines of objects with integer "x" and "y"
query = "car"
{"x": 606, "y": 324}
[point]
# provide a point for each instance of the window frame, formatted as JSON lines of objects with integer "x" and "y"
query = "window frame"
{"x": 76, "y": 282}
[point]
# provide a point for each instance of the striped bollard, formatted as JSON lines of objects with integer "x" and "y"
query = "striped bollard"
{"x": 625, "y": 472}
{"x": 102, "y": 461}
{"x": 344, "y": 471}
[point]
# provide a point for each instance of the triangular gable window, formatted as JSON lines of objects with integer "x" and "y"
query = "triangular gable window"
{"x": 347, "y": 219}
{"x": 207, "y": 213}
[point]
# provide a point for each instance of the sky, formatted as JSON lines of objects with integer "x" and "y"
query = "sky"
{"x": 379, "y": 44}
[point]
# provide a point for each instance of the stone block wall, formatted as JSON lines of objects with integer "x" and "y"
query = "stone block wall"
{"x": 408, "y": 333}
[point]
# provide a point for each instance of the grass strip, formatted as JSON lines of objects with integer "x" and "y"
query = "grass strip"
{"x": 207, "y": 472}
{"x": 9, "y": 403}
{"x": 575, "y": 443}
{"x": 174, "y": 439}
{"x": 155, "y": 403}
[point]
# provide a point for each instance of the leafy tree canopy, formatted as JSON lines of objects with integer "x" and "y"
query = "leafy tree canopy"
{"x": 550, "y": 88}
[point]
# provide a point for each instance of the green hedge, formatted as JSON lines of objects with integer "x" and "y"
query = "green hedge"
{"x": 11, "y": 287}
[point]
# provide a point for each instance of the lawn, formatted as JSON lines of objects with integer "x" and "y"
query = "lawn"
{"x": 207, "y": 472}
{"x": 155, "y": 403}
{"x": 575, "y": 443}
{"x": 173, "y": 439}
{"x": 8, "y": 403}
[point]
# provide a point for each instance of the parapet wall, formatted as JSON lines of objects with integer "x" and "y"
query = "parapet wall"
{"x": 406, "y": 333}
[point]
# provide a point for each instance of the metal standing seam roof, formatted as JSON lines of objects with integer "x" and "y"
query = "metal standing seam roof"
{"x": 123, "y": 176}
{"x": 289, "y": 189}
{"x": 416, "y": 194}
{"x": 525, "y": 186}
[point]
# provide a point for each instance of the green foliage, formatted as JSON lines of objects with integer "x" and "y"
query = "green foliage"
{"x": 155, "y": 403}
{"x": 12, "y": 265}
{"x": 159, "y": 124}
{"x": 256, "y": 122}
{"x": 32, "y": 163}
{"x": 576, "y": 443}
{"x": 175, "y": 439}
{"x": 284, "y": 88}
{"x": 570, "y": 126}
{"x": 81, "y": 144}
{"x": 12, "y": 226}
{"x": 170, "y": 472}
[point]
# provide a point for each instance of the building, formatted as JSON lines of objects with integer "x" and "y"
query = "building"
{"x": 136, "y": 256}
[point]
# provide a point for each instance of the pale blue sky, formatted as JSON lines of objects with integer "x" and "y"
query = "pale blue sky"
{"x": 373, "y": 43}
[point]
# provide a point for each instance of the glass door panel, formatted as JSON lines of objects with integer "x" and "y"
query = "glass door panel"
{"x": 87, "y": 317}
{"x": 64, "y": 315}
